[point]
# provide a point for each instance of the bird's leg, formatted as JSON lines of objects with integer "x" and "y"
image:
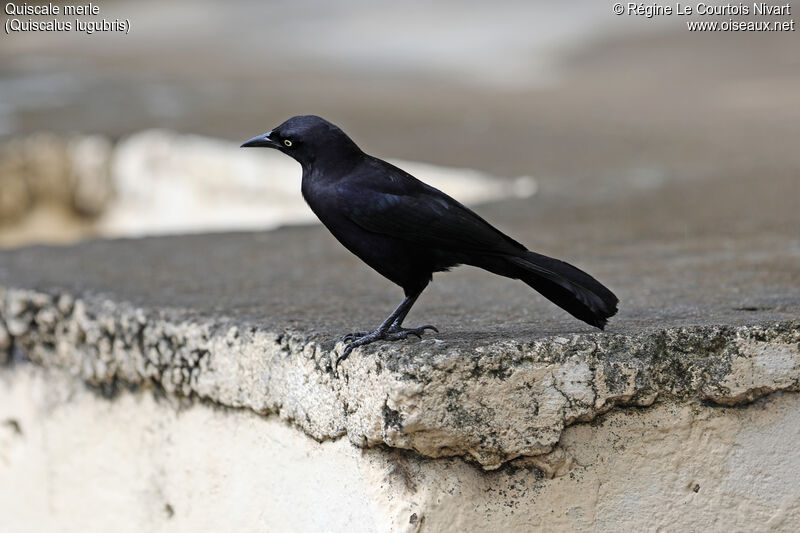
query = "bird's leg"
{"x": 399, "y": 313}
{"x": 397, "y": 329}
{"x": 389, "y": 330}
{"x": 397, "y": 317}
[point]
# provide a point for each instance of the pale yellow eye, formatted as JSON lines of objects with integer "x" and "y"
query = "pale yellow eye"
{"x": 287, "y": 142}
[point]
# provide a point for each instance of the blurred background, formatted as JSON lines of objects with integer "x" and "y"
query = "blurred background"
{"x": 549, "y": 104}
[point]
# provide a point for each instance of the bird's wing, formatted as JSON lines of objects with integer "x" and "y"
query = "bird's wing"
{"x": 395, "y": 203}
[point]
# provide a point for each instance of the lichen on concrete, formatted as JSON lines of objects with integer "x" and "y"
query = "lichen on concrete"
{"x": 488, "y": 401}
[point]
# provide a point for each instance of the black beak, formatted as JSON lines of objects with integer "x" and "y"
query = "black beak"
{"x": 261, "y": 140}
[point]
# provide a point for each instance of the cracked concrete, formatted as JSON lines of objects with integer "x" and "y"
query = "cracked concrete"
{"x": 197, "y": 467}
{"x": 489, "y": 401}
{"x": 248, "y": 320}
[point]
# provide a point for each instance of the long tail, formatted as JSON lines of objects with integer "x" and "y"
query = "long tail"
{"x": 568, "y": 287}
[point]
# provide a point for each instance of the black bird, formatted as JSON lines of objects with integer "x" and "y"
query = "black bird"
{"x": 407, "y": 230}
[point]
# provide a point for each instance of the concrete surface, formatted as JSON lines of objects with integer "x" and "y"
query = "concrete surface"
{"x": 249, "y": 320}
{"x": 82, "y": 463}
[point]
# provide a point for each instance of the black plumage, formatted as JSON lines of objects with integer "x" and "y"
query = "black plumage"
{"x": 407, "y": 230}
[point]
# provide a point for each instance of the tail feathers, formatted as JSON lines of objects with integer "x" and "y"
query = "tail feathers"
{"x": 568, "y": 287}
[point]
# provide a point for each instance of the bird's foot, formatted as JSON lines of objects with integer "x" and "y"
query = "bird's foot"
{"x": 393, "y": 333}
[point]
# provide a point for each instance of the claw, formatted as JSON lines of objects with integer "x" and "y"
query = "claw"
{"x": 360, "y": 338}
{"x": 345, "y": 355}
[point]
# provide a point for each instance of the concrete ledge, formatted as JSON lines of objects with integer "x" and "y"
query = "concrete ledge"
{"x": 141, "y": 462}
{"x": 488, "y": 401}
{"x": 191, "y": 339}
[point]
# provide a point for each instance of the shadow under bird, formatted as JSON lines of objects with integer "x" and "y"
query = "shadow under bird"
{"x": 407, "y": 230}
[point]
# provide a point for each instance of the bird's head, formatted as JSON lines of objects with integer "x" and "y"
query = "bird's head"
{"x": 307, "y": 139}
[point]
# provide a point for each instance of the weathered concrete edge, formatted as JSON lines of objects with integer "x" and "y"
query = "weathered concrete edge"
{"x": 492, "y": 403}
